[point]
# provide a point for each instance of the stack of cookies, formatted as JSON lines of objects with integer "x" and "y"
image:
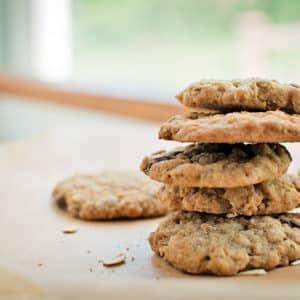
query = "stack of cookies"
{"x": 231, "y": 199}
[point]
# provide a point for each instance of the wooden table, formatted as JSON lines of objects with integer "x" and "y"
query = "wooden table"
{"x": 37, "y": 259}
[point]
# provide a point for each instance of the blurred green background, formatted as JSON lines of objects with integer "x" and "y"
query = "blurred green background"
{"x": 173, "y": 42}
{"x": 149, "y": 47}
{"x": 169, "y": 20}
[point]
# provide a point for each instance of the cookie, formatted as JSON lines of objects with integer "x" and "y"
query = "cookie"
{"x": 208, "y": 244}
{"x": 252, "y": 94}
{"x": 269, "y": 197}
{"x": 218, "y": 165}
{"x": 109, "y": 195}
{"x": 237, "y": 127}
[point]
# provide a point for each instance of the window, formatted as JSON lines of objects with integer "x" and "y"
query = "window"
{"x": 150, "y": 48}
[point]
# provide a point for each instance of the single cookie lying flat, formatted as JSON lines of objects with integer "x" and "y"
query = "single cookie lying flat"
{"x": 237, "y": 127}
{"x": 109, "y": 195}
{"x": 249, "y": 94}
{"x": 269, "y": 197}
{"x": 208, "y": 244}
{"x": 218, "y": 165}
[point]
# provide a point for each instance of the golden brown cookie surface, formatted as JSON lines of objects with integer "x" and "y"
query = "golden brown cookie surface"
{"x": 236, "y": 127}
{"x": 208, "y": 244}
{"x": 270, "y": 197}
{"x": 218, "y": 165}
{"x": 253, "y": 94}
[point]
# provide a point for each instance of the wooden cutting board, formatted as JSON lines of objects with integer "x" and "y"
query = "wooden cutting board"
{"x": 37, "y": 259}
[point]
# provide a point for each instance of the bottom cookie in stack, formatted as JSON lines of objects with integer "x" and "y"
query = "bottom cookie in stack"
{"x": 200, "y": 243}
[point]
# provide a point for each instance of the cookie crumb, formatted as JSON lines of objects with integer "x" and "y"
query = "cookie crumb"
{"x": 231, "y": 215}
{"x": 295, "y": 262}
{"x": 70, "y": 230}
{"x": 254, "y": 272}
{"x": 117, "y": 260}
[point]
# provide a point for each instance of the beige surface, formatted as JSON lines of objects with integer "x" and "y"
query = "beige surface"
{"x": 31, "y": 231}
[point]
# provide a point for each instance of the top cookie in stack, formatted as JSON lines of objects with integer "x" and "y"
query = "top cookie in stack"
{"x": 217, "y": 181}
{"x": 252, "y": 110}
{"x": 250, "y": 94}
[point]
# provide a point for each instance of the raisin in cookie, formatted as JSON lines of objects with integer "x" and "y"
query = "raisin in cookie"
{"x": 269, "y": 197}
{"x": 236, "y": 127}
{"x": 208, "y": 244}
{"x": 218, "y": 165}
{"x": 109, "y": 195}
{"x": 253, "y": 94}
